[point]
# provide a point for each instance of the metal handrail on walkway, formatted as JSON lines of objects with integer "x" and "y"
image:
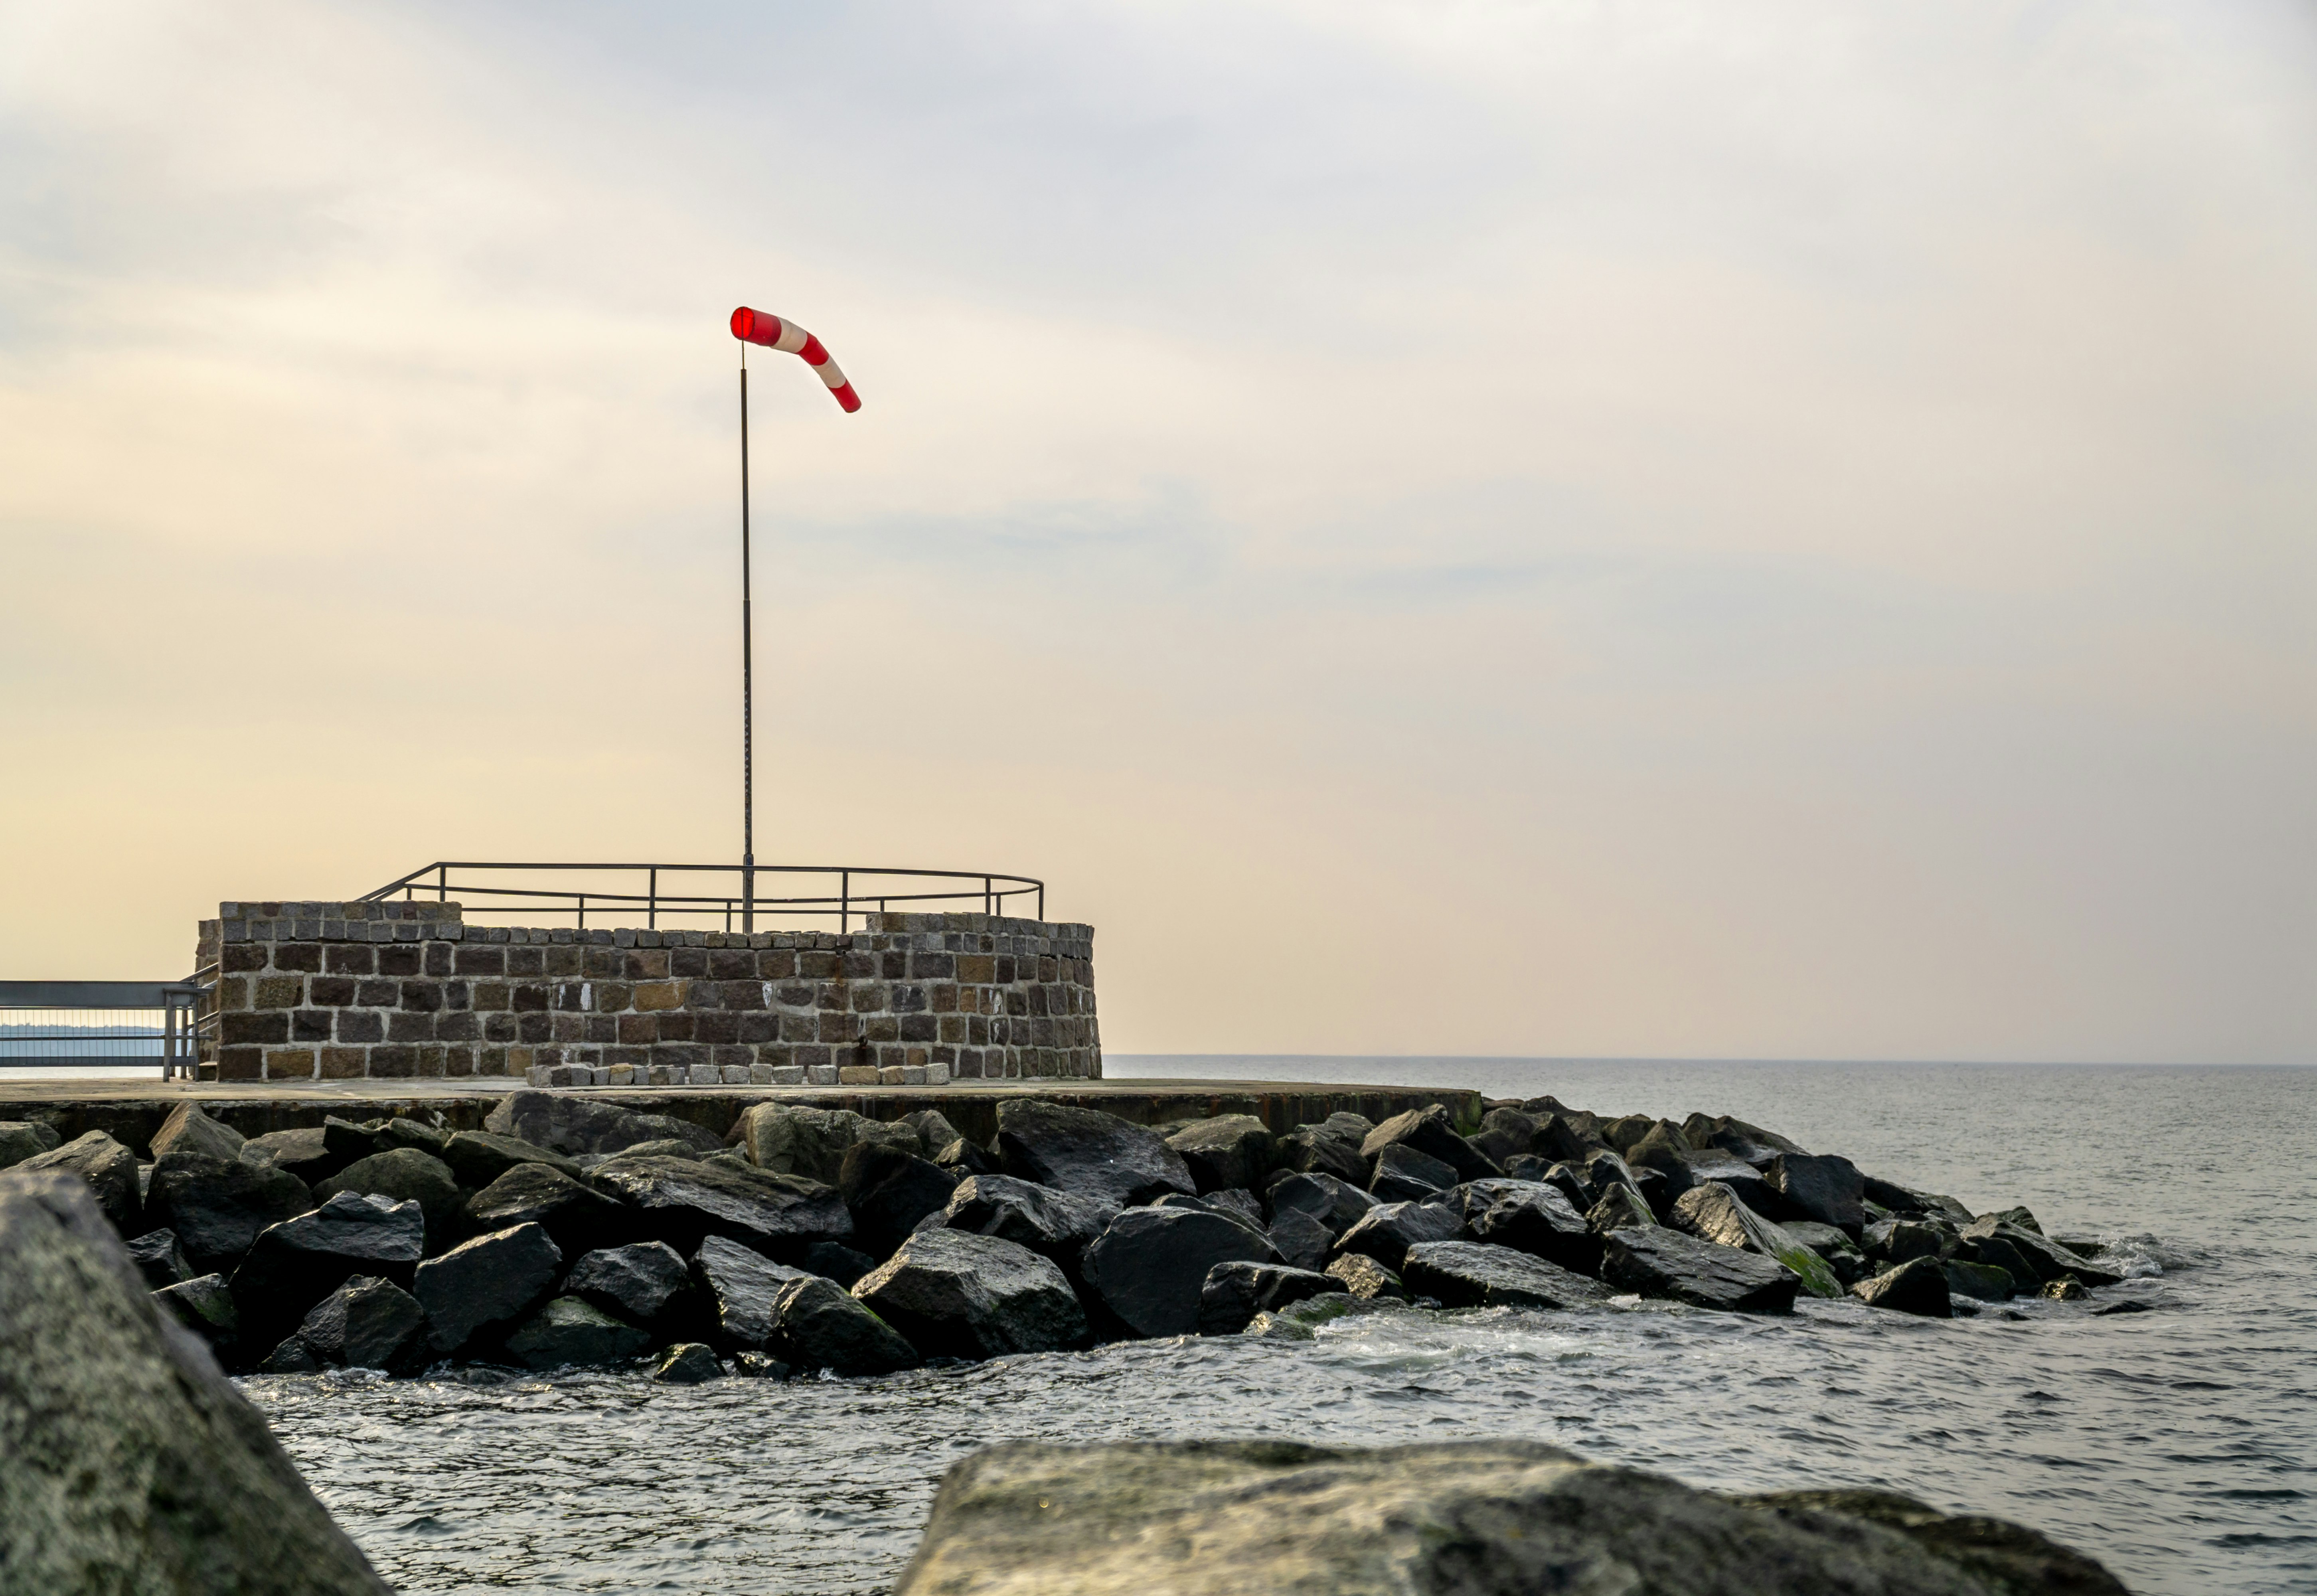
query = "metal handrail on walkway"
{"x": 177, "y": 1002}
{"x": 857, "y": 888}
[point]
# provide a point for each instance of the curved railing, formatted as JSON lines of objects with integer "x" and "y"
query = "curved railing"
{"x": 846, "y": 891}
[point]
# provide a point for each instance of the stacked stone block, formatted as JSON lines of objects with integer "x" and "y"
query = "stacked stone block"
{"x": 331, "y": 991}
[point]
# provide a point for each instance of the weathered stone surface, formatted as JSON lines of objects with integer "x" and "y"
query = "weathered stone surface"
{"x": 834, "y": 1260}
{"x": 304, "y": 1153}
{"x": 204, "y": 1306}
{"x": 679, "y": 1203}
{"x": 216, "y": 1207}
{"x": 1660, "y": 1262}
{"x": 888, "y": 1191}
{"x": 292, "y": 1357}
{"x": 1233, "y": 1205}
{"x": 1460, "y": 1518}
{"x": 687, "y": 1363}
{"x": 736, "y": 1284}
{"x": 1386, "y": 1231}
{"x": 646, "y": 1283}
{"x": 568, "y": 1123}
{"x": 1234, "y": 1293}
{"x": 408, "y": 1175}
{"x": 404, "y": 1131}
{"x": 1229, "y": 1150}
{"x": 1712, "y": 1213}
{"x": 129, "y": 1462}
{"x": 109, "y": 1170}
{"x": 1620, "y": 1207}
{"x": 1842, "y": 1255}
{"x": 1918, "y": 1286}
{"x": 1478, "y": 1274}
{"x": 820, "y": 1326}
{"x": 933, "y": 1130}
{"x": 1896, "y": 1241}
{"x": 1532, "y": 1217}
{"x": 159, "y": 1258}
{"x": 1821, "y": 1187}
{"x": 953, "y": 1294}
{"x": 665, "y": 1147}
{"x": 188, "y": 1130}
{"x": 1336, "y": 1205}
{"x": 1332, "y": 1147}
{"x": 577, "y": 1217}
{"x": 1404, "y": 1175}
{"x": 365, "y": 1323}
{"x": 1300, "y": 1240}
{"x": 1430, "y": 1130}
{"x": 1364, "y": 1277}
{"x": 1057, "y": 1225}
{"x": 347, "y": 1139}
{"x": 480, "y": 1289}
{"x": 1980, "y": 1282}
{"x": 1505, "y": 1133}
{"x": 1149, "y": 1264}
{"x": 1750, "y": 1143}
{"x": 1301, "y": 1322}
{"x": 2067, "y": 1289}
{"x": 569, "y": 1333}
{"x": 799, "y": 1139}
{"x": 2023, "y": 1218}
{"x": 20, "y": 1139}
{"x": 478, "y": 1157}
{"x": 297, "y": 1263}
{"x": 2046, "y": 1259}
{"x": 1085, "y": 1150}
{"x": 963, "y": 1158}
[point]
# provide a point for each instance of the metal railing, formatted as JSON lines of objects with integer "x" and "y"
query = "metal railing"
{"x": 847, "y": 891}
{"x": 108, "y": 1025}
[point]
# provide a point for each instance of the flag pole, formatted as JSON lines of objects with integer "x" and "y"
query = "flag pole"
{"x": 747, "y": 685}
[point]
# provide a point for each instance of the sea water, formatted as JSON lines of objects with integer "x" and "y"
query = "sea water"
{"x": 2175, "y": 1445}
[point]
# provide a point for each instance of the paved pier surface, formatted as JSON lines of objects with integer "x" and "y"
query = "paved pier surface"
{"x": 130, "y": 1110}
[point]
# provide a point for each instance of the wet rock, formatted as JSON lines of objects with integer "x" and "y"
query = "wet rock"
{"x": 1995, "y": 1252}
{"x": 1660, "y": 1262}
{"x": 1842, "y": 1255}
{"x": 1480, "y": 1275}
{"x": 1430, "y": 1130}
{"x": 1300, "y": 1240}
{"x": 760, "y": 1366}
{"x": 1505, "y": 1133}
{"x": 1083, "y": 1151}
{"x": 1620, "y": 1207}
{"x": 2020, "y": 1217}
{"x": 953, "y": 1294}
{"x": 646, "y": 1283}
{"x": 1821, "y": 1187}
{"x": 478, "y": 1157}
{"x": 216, "y": 1207}
{"x": 1332, "y": 1147}
{"x": 1529, "y": 1217}
{"x": 1557, "y": 1139}
{"x": 1918, "y": 1286}
{"x": 405, "y": 1131}
{"x": 574, "y": 1124}
{"x": 1364, "y": 1277}
{"x": 1234, "y": 1211}
{"x": 687, "y": 1363}
{"x": 20, "y": 1139}
{"x": 665, "y": 1147}
{"x": 577, "y": 1217}
{"x": 297, "y": 1263}
{"x": 188, "y": 1130}
{"x": 738, "y": 1285}
{"x": 304, "y": 1153}
{"x": 131, "y": 1464}
{"x": 365, "y": 1323}
{"x": 833, "y": 1261}
{"x": 159, "y": 1258}
{"x": 2067, "y": 1289}
{"x": 204, "y": 1306}
{"x": 1236, "y": 1200}
{"x": 347, "y": 1139}
{"x": 1149, "y": 1264}
{"x": 1626, "y": 1131}
{"x": 963, "y": 1158}
{"x": 408, "y": 1175}
{"x": 1907, "y": 1203}
{"x": 1981, "y": 1282}
{"x": 2124, "y": 1305}
{"x": 480, "y": 1289}
{"x": 1712, "y": 1213}
{"x": 1898, "y": 1240}
{"x": 888, "y": 1191}
{"x": 1231, "y": 1150}
{"x": 1404, "y": 1175}
{"x": 1335, "y": 1204}
{"x": 933, "y": 1130}
{"x": 290, "y": 1357}
{"x": 1386, "y": 1231}
{"x": 798, "y": 1139}
{"x": 681, "y": 1202}
{"x": 2040, "y": 1259}
{"x": 1571, "y": 1182}
{"x": 569, "y": 1333}
{"x": 107, "y": 1168}
{"x": 1057, "y": 1225}
{"x": 1234, "y": 1293}
{"x": 1748, "y": 1142}
{"x": 820, "y": 1326}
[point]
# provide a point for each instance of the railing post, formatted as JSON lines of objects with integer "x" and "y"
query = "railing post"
{"x": 651, "y": 901}
{"x": 843, "y": 902}
{"x": 443, "y": 883}
{"x": 985, "y": 895}
{"x": 583, "y": 911}
{"x": 1042, "y": 900}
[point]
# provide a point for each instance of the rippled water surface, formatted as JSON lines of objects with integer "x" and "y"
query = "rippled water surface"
{"x": 2175, "y": 1445}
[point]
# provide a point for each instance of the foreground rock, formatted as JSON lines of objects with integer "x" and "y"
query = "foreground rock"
{"x": 109, "y": 1170}
{"x": 482, "y": 1288}
{"x": 1430, "y": 1130}
{"x": 1332, "y": 1147}
{"x": 688, "y": 1364}
{"x": 130, "y": 1462}
{"x": 1824, "y": 1188}
{"x": 1532, "y": 1217}
{"x": 1084, "y": 1151}
{"x": 580, "y": 1124}
{"x": 1150, "y": 1265}
{"x": 951, "y": 1293}
{"x": 1713, "y": 1213}
{"x": 681, "y": 1201}
{"x": 1918, "y": 1286}
{"x": 1477, "y": 1275}
{"x": 813, "y": 1142}
{"x": 218, "y": 1207}
{"x": 1057, "y": 1225}
{"x": 1364, "y": 1277}
{"x": 1658, "y": 1262}
{"x": 1385, "y": 1232}
{"x": 1472, "y": 1519}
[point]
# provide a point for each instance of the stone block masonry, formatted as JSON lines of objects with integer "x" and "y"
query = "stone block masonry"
{"x": 328, "y": 991}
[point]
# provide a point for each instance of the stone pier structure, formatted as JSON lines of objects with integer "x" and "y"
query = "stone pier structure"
{"x": 408, "y": 989}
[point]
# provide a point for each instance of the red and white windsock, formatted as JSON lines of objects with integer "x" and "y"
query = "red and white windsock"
{"x": 760, "y": 326}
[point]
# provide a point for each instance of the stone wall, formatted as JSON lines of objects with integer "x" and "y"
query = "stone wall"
{"x": 405, "y": 989}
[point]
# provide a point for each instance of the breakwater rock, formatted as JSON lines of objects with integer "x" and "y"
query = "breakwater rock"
{"x": 574, "y": 1231}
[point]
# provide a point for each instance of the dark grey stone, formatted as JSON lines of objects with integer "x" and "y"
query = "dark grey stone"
{"x": 1660, "y": 1262}
{"x": 933, "y": 1130}
{"x": 2043, "y": 1260}
{"x": 820, "y": 1326}
{"x": 1336, "y": 1205}
{"x": 687, "y": 1363}
{"x": 1821, "y": 1187}
{"x": 1712, "y": 1213}
{"x": 1149, "y": 1264}
{"x": 1978, "y": 1281}
{"x": 1622, "y": 1207}
{"x": 963, "y": 1158}
{"x": 1404, "y": 1175}
{"x": 1386, "y": 1232}
{"x": 1532, "y": 1217}
{"x": 1430, "y": 1130}
{"x": 1057, "y": 1225}
{"x": 646, "y": 1283}
{"x": 216, "y": 1206}
{"x": 953, "y": 1294}
{"x": 888, "y": 1192}
{"x": 204, "y": 1306}
{"x": 107, "y": 1168}
{"x": 409, "y": 1175}
{"x": 159, "y": 1258}
{"x": 799, "y": 1139}
{"x": 1918, "y": 1286}
{"x": 681, "y": 1202}
{"x": 1332, "y": 1147}
{"x": 1364, "y": 1277}
{"x": 569, "y": 1333}
{"x": 478, "y": 1157}
{"x": 1897, "y": 1241}
{"x": 1842, "y": 1255}
{"x": 1479, "y": 1275}
{"x": 291, "y": 1356}
{"x": 736, "y": 1284}
{"x": 1301, "y": 1241}
{"x": 579, "y": 1218}
{"x": 1231, "y": 1150}
{"x": 188, "y": 1130}
{"x": 1087, "y": 1151}
{"x": 20, "y": 1139}
{"x": 365, "y": 1323}
{"x": 304, "y": 1153}
{"x": 297, "y": 1263}
{"x": 834, "y": 1260}
{"x": 575, "y": 1124}
{"x": 1234, "y": 1293}
{"x": 482, "y": 1288}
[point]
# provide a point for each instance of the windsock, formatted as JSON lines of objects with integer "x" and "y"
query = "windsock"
{"x": 759, "y": 327}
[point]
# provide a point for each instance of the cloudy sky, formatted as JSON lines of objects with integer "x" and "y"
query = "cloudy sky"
{"x": 1759, "y": 530}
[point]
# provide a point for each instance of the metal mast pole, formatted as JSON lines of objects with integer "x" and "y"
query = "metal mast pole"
{"x": 747, "y": 685}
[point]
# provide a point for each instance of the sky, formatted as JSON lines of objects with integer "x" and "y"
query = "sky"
{"x": 1640, "y": 530}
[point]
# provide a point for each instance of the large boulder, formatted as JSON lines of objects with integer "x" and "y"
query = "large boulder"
{"x": 1657, "y": 1262}
{"x": 109, "y": 1170}
{"x": 478, "y": 1157}
{"x": 1978, "y": 1281}
{"x": 482, "y": 1288}
{"x": 738, "y": 1286}
{"x": 1057, "y": 1225}
{"x": 20, "y": 1139}
{"x": 204, "y": 1306}
{"x": 297, "y": 1263}
{"x": 645, "y": 1283}
{"x": 1404, "y": 1175}
{"x": 304, "y": 1153}
{"x": 128, "y": 1461}
{"x": 1484, "y": 1518}
{"x": 1532, "y": 1217}
{"x": 1749, "y": 1143}
{"x": 796, "y": 1139}
{"x": 569, "y": 1333}
{"x": 1338, "y": 1205}
{"x": 1331, "y": 1147}
{"x": 1712, "y": 1213}
{"x": 1087, "y": 1151}
{"x": 1622, "y": 1207}
{"x": 1431, "y": 1131}
{"x": 1821, "y": 1187}
{"x": 952, "y": 1293}
{"x": 1918, "y": 1287}
{"x": 217, "y": 1207}
{"x": 1505, "y": 1133}
{"x": 1891, "y": 1242}
{"x": 1478, "y": 1274}
{"x": 1231, "y": 1151}
{"x": 1363, "y": 1277}
{"x": 1234, "y": 1293}
{"x": 1842, "y": 1255}
{"x": 1385, "y": 1232}
{"x": 2044, "y": 1260}
{"x": 366, "y": 1324}
{"x": 408, "y": 1175}
{"x": 681, "y": 1202}
{"x": 577, "y": 1123}
{"x": 576, "y": 1215}
{"x": 819, "y": 1325}
{"x": 888, "y": 1191}
{"x": 1300, "y": 1239}
{"x": 1149, "y": 1264}
{"x": 188, "y": 1130}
